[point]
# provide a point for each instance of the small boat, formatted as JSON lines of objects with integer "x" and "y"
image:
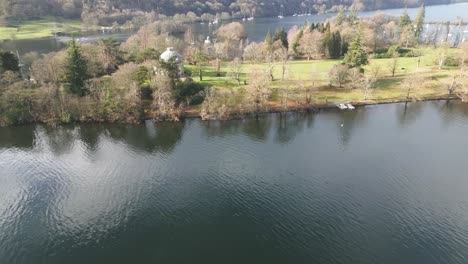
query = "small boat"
{"x": 280, "y": 16}
{"x": 342, "y": 106}
{"x": 250, "y": 18}
{"x": 350, "y": 106}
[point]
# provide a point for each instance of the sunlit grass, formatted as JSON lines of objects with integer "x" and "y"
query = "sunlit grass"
{"x": 44, "y": 27}
{"x": 313, "y": 75}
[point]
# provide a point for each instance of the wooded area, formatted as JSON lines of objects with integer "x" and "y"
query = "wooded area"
{"x": 31, "y": 9}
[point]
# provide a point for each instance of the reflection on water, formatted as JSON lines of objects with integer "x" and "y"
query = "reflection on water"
{"x": 408, "y": 113}
{"x": 382, "y": 184}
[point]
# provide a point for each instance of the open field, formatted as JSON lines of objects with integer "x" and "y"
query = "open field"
{"x": 313, "y": 75}
{"x": 43, "y": 27}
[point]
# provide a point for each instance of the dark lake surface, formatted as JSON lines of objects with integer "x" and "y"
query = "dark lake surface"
{"x": 383, "y": 184}
{"x": 255, "y": 29}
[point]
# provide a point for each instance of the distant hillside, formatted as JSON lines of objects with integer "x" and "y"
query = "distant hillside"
{"x": 30, "y": 9}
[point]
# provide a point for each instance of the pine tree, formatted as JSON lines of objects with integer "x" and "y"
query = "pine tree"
{"x": 356, "y": 55}
{"x": 282, "y": 36}
{"x": 268, "y": 39}
{"x": 335, "y": 48}
{"x": 76, "y": 68}
{"x": 419, "y": 21}
{"x": 404, "y": 21}
{"x": 9, "y": 61}
{"x": 296, "y": 40}
{"x": 312, "y": 27}
{"x": 327, "y": 42}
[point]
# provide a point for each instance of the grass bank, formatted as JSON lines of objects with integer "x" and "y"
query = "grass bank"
{"x": 313, "y": 75}
{"x": 44, "y": 27}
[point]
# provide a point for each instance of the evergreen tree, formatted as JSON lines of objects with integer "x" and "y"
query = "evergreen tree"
{"x": 268, "y": 39}
{"x": 327, "y": 42}
{"x": 296, "y": 40}
{"x": 419, "y": 21}
{"x": 356, "y": 55}
{"x": 312, "y": 27}
{"x": 341, "y": 17}
{"x": 332, "y": 44}
{"x": 76, "y": 71}
{"x": 334, "y": 49}
{"x": 321, "y": 28}
{"x": 404, "y": 21}
{"x": 9, "y": 61}
{"x": 282, "y": 35}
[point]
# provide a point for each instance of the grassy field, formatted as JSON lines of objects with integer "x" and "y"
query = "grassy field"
{"x": 314, "y": 75}
{"x": 38, "y": 28}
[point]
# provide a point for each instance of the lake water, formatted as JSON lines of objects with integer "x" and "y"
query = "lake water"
{"x": 256, "y": 29}
{"x": 383, "y": 184}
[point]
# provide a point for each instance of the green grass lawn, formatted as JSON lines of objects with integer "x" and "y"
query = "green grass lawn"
{"x": 38, "y": 28}
{"x": 314, "y": 75}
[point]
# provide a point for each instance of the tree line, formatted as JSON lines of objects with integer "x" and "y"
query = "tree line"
{"x": 120, "y": 10}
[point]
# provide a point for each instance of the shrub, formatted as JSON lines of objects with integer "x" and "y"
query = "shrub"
{"x": 189, "y": 92}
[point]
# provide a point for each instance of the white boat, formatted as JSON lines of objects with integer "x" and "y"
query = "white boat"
{"x": 350, "y": 106}
{"x": 280, "y": 16}
{"x": 250, "y": 18}
{"x": 342, "y": 106}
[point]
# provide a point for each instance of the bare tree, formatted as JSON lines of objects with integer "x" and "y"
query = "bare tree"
{"x": 407, "y": 37}
{"x": 200, "y": 58}
{"x": 270, "y": 64}
{"x": 259, "y": 89}
{"x": 218, "y": 104}
{"x": 393, "y": 65}
{"x": 255, "y": 52}
{"x": 355, "y": 78}
{"x": 339, "y": 75}
{"x": 464, "y": 58}
{"x": 284, "y": 92}
{"x": 442, "y": 56}
{"x": 282, "y": 56}
{"x": 50, "y": 68}
{"x": 308, "y": 92}
{"x": 232, "y": 35}
{"x": 411, "y": 84}
{"x": 375, "y": 70}
{"x": 367, "y": 86}
{"x": 163, "y": 103}
{"x": 456, "y": 82}
{"x": 235, "y": 70}
{"x": 311, "y": 44}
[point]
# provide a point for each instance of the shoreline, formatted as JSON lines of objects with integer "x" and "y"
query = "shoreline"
{"x": 187, "y": 114}
{"x": 316, "y": 107}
